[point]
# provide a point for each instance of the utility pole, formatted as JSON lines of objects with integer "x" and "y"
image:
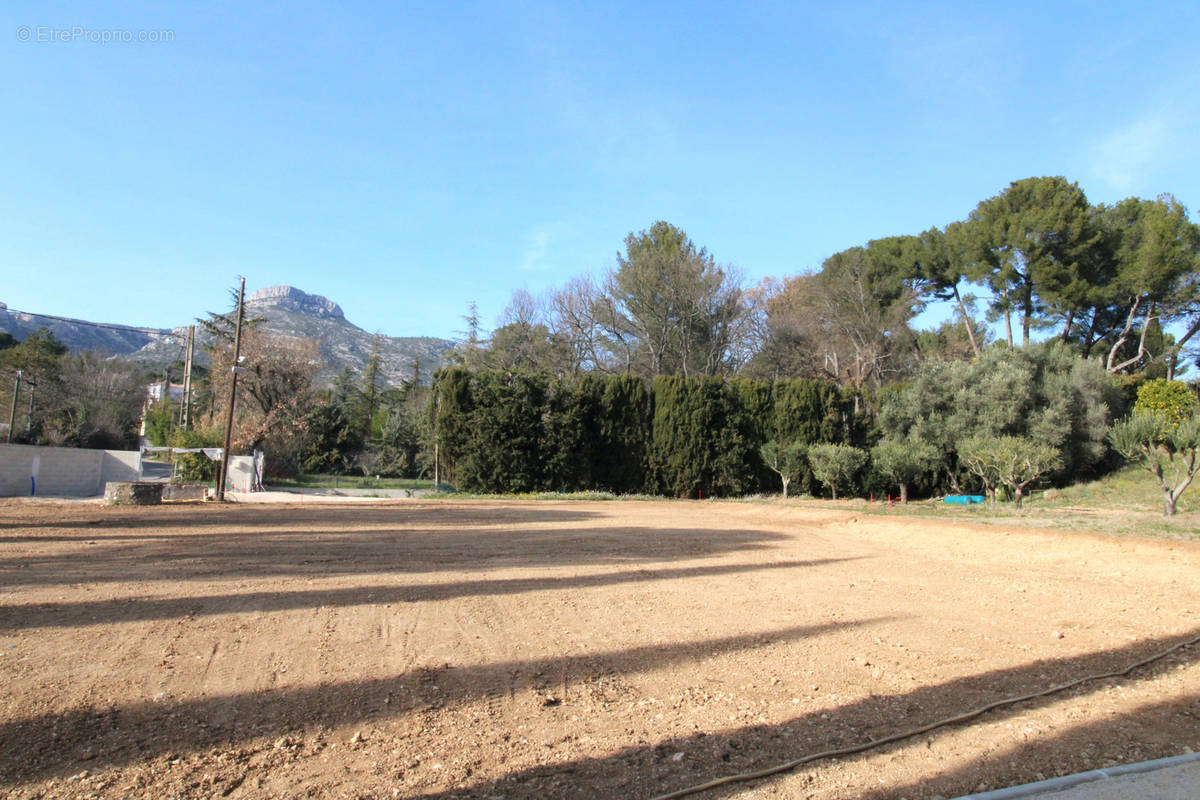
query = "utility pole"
{"x": 29, "y": 421}
{"x": 237, "y": 357}
{"x": 12, "y": 412}
{"x": 185, "y": 408}
{"x": 436, "y": 477}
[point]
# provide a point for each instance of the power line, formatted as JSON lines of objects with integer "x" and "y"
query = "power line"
{"x": 72, "y": 320}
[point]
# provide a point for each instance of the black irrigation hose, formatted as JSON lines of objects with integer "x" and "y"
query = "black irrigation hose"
{"x": 896, "y": 737}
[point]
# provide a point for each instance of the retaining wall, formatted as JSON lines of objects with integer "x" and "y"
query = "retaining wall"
{"x": 63, "y": 471}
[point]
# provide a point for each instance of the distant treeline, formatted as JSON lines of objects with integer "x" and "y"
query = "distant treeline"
{"x": 1117, "y": 283}
{"x": 512, "y": 432}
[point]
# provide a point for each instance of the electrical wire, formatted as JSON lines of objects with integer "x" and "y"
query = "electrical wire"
{"x": 73, "y": 321}
{"x": 896, "y": 737}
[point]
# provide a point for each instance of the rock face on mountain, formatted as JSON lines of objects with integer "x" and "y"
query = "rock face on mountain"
{"x": 287, "y": 310}
{"x": 78, "y": 334}
{"x": 284, "y": 310}
{"x": 289, "y": 298}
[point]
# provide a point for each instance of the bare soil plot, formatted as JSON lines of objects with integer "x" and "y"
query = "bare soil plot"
{"x": 537, "y": 649}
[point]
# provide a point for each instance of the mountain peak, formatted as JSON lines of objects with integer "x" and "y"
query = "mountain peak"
{"x": 289, "y": 298}
{"x": 282, "y": 310}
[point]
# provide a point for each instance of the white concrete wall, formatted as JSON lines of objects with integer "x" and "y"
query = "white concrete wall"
{"x": 120, "y": 465}
{"x": 63, "y": 471}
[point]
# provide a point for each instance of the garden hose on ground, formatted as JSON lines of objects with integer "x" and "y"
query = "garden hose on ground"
{"x": 896, "y": 737}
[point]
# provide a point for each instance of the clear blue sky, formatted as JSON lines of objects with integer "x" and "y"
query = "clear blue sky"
{"x": 405, "y": 161}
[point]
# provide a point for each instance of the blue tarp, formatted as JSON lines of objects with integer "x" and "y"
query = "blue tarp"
{"x": 964, "y": 499}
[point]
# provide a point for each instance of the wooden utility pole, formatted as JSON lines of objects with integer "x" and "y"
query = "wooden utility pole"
{"x": 185, "y": 408}
{"x": 237, "y": 357}
{"x": 12, "y": 412}
{"x": 29, "y": 421}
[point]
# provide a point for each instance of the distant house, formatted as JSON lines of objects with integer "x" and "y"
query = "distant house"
{"x": 155, "y": 392}
{"x": 154, "y": 395}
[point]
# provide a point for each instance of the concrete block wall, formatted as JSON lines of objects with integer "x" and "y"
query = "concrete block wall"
{"x": 120, "y": 465}
{"x": 63, "y": 471}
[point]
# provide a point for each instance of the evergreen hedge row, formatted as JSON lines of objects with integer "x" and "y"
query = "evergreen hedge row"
{"x": 507, "y": 432}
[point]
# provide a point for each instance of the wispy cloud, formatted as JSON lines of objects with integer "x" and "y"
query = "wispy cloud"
{"x": 540, "y": 242}
{"x": 1151, "y": 149}
{"x": 1129, "y": 155}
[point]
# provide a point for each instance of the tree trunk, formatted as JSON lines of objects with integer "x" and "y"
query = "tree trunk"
{"x": 904, "y": 494}
{"x": 1066, "y": 334}
{"x": 1141, "y": 343}
{"x": 1168, "y": 503}
{"x": 1090, "y": 340}
{"x": 786, "y": 481}
{"x": 1007, "y": 318}
{"x": 1026, "y": 313}
{"x": 1178, "y": 348}
{"x": 833, "y": 488}
{"x": 968, "y": 323}
{"x": 1112, "y": 353}
{"x": 1173, "y": 495}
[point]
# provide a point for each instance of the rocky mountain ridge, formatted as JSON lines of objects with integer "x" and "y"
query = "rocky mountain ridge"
{"x": 284, "y": 310}
{"x": 289, "y": 298}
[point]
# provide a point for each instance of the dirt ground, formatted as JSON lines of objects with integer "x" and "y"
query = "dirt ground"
{"x": 537, "y": 649}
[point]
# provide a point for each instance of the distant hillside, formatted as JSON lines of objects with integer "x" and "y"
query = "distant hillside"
{"x": 80, "y": 334}
{"x": 283, "y": 309}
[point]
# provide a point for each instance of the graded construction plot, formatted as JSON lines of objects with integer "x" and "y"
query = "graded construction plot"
{"x": 538, "y": 649}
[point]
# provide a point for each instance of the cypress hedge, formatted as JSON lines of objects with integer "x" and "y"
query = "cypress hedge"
{"x": 508, "y": 432}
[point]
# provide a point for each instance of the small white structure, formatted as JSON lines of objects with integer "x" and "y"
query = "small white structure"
{"x": 156, "y": 391}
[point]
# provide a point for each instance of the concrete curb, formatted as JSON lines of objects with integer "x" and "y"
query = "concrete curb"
{"x": 1071, "y": 781}
{"x": 382, "y": 494}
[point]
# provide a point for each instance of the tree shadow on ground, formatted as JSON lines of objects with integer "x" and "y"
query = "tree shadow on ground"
{"x": 1128, "y": 738}
{"x": 103, "y": 612}
{"x": 648, "y": 770}
{"x": 323, "y": 554}
{"x": 71, "y": 516}
{"x": 54, "y": 743}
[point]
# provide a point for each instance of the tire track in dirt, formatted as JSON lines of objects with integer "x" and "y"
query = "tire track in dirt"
{"x": 326, "y": 619}
{"x": 171, "y": 651}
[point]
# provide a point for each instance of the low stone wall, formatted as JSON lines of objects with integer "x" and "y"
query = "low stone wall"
{"x": 63, "y": 471}
{"x": 133, "y": 494}
{"x": 185, "y": 491}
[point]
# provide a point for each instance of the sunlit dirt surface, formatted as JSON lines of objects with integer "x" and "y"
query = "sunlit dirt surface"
{"x": 577, "y": 649}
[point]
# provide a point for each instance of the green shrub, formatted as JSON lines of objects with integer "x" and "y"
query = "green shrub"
{"x": 1171, "y": 399}
{"x": 195, "y": 467}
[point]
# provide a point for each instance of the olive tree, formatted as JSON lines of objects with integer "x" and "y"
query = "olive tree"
{"x": 1167, "y": 448}
{"x": 1011, "y": 461}
{"x": 835, "y": 464}
{"x": 903, "y": 462}
{"x": 787, "y": 460}
{"x": 1043, "y": 392}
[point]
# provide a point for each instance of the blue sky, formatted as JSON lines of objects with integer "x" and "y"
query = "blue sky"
{"x": 406, "y": 159}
